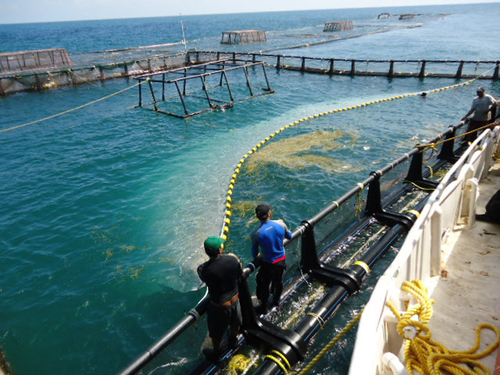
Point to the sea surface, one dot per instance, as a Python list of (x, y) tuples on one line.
[(103, 211)]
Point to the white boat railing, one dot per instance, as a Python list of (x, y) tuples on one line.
[(451, 207)]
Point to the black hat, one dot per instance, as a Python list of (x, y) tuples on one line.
[(262, 211)]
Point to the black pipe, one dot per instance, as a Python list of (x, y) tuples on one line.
[(333, 298), (312, 322), (205, 366), (168, 338), (327, 307)]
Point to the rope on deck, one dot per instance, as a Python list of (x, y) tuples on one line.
[(430, 357)]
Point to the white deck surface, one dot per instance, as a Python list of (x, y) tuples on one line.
[(468, 293)]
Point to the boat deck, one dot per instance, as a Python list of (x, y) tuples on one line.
[(472, 271)]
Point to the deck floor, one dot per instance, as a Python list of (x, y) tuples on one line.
[(470, 272)]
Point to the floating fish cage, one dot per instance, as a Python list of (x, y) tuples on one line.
[(364, 67), (338, 26), (29, 60), (329, 252), (243, 37), (45, 79), (205, 87), (408, 16)]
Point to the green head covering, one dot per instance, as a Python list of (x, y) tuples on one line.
[(212, 245)]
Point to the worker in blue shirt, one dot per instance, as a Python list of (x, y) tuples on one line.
[(269, 237)]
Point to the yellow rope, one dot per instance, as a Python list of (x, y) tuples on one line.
[(427, 356), (278, 362), (432, 171), (328, 346), (70, 110), (238, 364), (318, 318), (363, 265), (428, 146), (419, 187), (359, 199), (283, 358)]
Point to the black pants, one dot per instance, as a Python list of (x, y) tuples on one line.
[(473, 125), (270, 280), (219, 319)]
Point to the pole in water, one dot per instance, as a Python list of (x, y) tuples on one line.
[(183, 35)]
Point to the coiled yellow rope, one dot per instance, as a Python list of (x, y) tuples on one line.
[(238, 364), (427, 356)]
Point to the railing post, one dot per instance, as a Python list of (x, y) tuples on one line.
[(459, 70), (140, 94), (153, 95), (375, 209), (447, 148), (248, 315), (353, 67), (332, 66), (422, 70), (496, 73), (391, 69), (309, 256), (303, 65), (415, 172)]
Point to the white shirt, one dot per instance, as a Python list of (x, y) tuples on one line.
[(481, 107)]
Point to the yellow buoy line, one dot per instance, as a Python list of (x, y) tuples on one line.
[(229, 201)]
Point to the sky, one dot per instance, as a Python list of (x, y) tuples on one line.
[(27, 11)]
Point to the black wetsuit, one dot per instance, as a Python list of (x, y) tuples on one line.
[(221, 276)]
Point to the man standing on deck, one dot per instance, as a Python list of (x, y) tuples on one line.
[(482, 105), (269, 236), (221, 273)]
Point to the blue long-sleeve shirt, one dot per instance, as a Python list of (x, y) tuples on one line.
[(269, 236)]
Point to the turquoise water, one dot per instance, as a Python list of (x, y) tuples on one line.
[(104, 210)]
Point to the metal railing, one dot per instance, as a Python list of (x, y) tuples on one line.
[(367, 67), (314, 239)]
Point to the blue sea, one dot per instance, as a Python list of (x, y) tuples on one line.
[(103, 211)]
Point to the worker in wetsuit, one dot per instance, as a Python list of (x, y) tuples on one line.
[(221, 273), (269, 237)]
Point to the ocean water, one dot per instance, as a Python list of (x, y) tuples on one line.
[(104, 210)]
